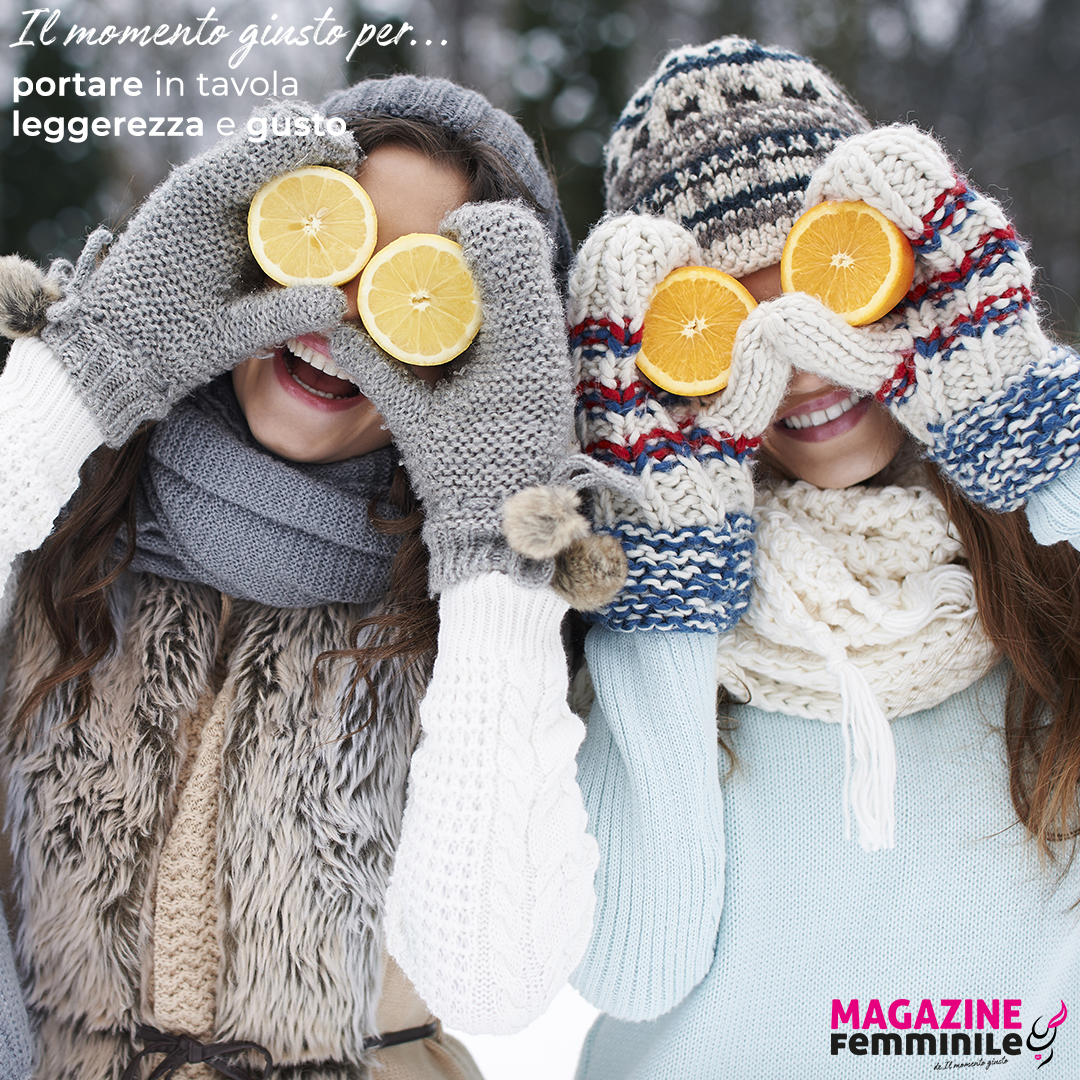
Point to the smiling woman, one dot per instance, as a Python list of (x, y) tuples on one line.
[(892, 659), (831, 436), (219, 664)]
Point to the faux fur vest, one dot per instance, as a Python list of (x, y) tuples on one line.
[(311, 798)]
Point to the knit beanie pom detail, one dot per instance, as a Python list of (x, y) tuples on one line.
[(723, 139)]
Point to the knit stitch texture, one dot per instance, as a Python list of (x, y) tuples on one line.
[(962, 362), (491, 900), (501, 423), (167, 308), (723, 139), (688, 534)]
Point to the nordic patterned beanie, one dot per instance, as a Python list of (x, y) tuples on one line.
[(462, 113), (723, 139)]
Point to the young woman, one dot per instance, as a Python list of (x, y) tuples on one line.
[(221, 658), (884, 867)]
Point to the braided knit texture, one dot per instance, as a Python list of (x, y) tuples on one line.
[(876, 572), (688, 535), (491, 902), (500, 423), (178, 299), (723, 139), (962, 362)]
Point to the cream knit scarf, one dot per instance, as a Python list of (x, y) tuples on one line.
[(860, 613)]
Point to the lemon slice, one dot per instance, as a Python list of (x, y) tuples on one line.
[(417, 299), (851, 257), (313, 226), (689, 330)]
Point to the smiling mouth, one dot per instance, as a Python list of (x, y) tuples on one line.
[(821, 416), (316, 373)]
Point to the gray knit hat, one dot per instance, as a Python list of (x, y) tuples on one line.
[(723, 139), (465, 113)]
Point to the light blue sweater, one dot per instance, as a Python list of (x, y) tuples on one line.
[(732, 916)]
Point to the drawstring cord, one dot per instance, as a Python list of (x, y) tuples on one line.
[(182, 1050)]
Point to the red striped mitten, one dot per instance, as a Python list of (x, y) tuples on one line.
[(962, 362), (688, 534)]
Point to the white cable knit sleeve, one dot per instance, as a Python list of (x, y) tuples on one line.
[(491, 901), (47, 433)]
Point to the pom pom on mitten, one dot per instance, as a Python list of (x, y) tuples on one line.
[(25, 296), (544, 523)]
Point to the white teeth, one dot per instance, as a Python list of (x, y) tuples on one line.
[(315, 359), (821, 416)]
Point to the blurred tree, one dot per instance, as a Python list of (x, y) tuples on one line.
[(996, 79), (569, 83)]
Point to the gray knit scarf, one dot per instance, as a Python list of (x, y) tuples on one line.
[(216, 508)]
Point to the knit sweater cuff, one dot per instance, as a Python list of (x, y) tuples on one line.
[(491, 901), (649, 774), (1053, 512), (461, 550), (48, 434)]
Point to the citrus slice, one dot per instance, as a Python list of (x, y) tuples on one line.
[(418, 301), (689, 330), (851, 257), (313, 226)]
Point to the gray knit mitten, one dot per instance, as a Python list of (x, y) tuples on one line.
[(503, 421), (962, 361), (163, 311)]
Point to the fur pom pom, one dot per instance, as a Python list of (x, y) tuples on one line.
[(539, 522), (25, 295), (590, 572)]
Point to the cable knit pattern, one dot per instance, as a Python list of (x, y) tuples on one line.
[(163, 311), (688, 536), (48, 434), (501, 423), (962, 361), (186, 951), (491, 901)]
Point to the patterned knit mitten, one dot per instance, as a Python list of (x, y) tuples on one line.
[(163, 309), (962, 361), (688, 536), (503, 421)]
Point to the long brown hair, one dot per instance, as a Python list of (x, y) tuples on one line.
[(1028, 596), (71, 573)]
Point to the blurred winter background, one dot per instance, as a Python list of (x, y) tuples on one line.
[(996, 79)]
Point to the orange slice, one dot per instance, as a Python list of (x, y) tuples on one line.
[(313, 226), (689, 330), (417, 299), (851, 257)]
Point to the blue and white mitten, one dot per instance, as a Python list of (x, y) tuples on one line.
[(962, 361), (688, 534)]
